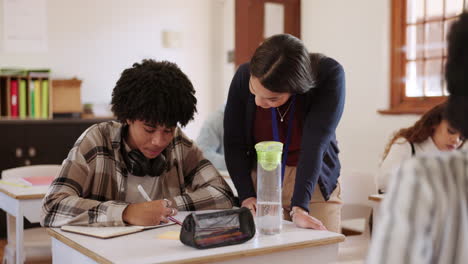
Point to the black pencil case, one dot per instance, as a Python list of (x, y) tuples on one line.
[(217, 229)]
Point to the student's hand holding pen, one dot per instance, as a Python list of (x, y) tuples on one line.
[(150, 212)]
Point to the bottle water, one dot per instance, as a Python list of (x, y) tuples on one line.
[(269, 209)]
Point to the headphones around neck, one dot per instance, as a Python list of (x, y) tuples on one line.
[(139, 165)]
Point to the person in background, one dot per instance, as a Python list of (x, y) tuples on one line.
[(424, 216), (210, 139), (432, 133), (287, 94), (98, 182)]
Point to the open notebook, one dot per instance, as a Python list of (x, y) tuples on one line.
[(114, 231), (108, 231)]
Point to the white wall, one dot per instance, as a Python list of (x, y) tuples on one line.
[(357, 34), (223, 30), (96, 40)]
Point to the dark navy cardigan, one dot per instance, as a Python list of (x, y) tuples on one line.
[(318, 160)]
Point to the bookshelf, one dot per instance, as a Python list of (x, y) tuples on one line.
[(25, 94)]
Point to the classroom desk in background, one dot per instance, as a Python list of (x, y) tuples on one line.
[(18, 202), (292, 245)]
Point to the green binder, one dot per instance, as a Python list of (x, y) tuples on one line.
[(22, 99), (45, 99)]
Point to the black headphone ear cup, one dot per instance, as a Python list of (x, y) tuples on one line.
[(159, 165), (138, 163)]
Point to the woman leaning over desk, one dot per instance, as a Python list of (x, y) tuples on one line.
[(301, 97)]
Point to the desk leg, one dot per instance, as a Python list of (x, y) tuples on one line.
[(19, 237), (11, 227)]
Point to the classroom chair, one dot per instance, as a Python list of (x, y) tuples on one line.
[(37, 243)]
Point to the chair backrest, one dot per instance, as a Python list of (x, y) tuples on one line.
[(33, 170)]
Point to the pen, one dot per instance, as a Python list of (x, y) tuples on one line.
[(145, 195)]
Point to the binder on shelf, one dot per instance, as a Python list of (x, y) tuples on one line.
[(45, 99), (37, 99), (25, 93), (31, 99), (3, 105), (14, 98), (22, 93)]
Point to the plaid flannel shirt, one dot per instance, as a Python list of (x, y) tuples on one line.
[(91, 187)]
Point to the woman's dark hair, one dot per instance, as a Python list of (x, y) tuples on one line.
[(456, 74), (422, 129), (157, 92), (283, 65)]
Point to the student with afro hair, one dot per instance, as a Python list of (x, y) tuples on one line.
[(98, 183)]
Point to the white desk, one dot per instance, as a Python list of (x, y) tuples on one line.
[(293, 245), (19, 202)]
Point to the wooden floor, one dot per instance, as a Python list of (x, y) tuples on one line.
[(3, 243)]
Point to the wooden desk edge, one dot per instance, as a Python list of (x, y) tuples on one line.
[(23, 196), (261, 251), (220, 257), (376, 198)]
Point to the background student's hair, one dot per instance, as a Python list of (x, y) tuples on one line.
[(422, 129)]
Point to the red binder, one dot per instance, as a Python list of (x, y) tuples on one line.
[(14, 98)]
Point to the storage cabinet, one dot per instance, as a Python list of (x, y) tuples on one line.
[(31, 142)]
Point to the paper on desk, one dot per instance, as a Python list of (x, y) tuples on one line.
[(14, 184), (170, 235), (37, 180)]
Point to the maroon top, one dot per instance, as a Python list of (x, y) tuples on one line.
[(263, 130)]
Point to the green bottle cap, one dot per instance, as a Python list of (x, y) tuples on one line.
[(269, 154)]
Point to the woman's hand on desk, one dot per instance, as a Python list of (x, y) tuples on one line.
[(302, 219), (251, 204), (148, 213)]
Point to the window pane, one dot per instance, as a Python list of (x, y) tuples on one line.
[(453, 7), (434, 9), (415, 11), (434, 40), (274, 19), (433, 78), (414, 82), (414, 42)]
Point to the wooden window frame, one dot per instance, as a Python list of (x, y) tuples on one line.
[(399, 102)]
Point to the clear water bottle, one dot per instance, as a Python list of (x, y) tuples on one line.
[(269, 209)]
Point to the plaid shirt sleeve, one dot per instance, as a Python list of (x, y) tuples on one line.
[(204, 187), (64, 203)]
